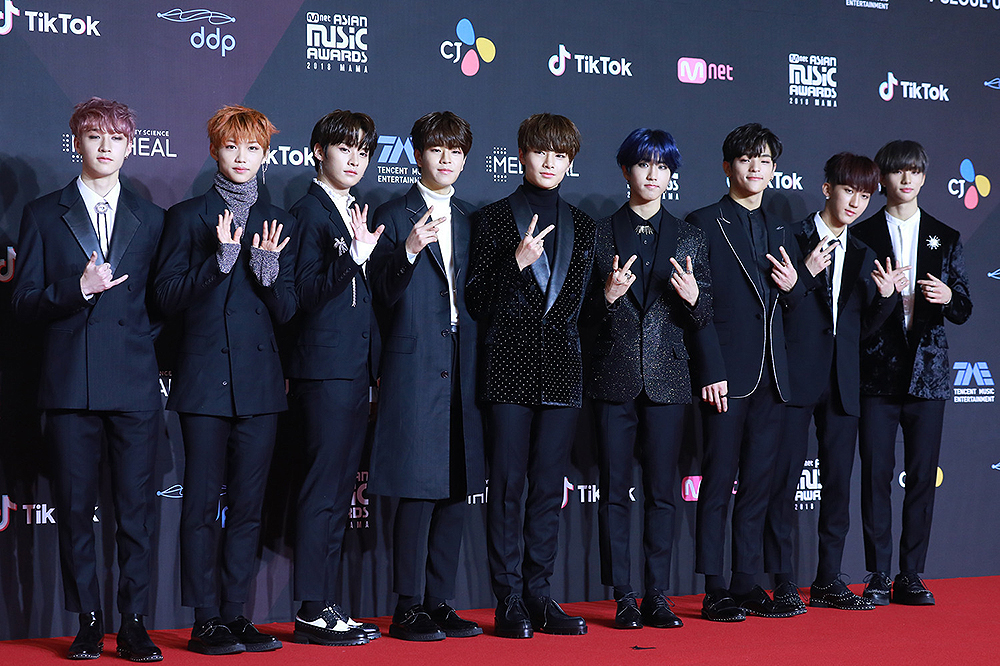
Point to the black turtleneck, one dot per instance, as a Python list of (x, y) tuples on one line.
[(545, 204)]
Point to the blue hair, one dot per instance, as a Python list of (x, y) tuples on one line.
[(649, 145)]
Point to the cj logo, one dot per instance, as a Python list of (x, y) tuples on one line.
[(971, 186), (485, 48), (972, 372), (8, 14)]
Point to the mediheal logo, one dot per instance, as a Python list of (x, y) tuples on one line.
[(337, 42), (147, 143), (812, 80), (60, 23), (588, 64), (935, 92), (973, 382), (696, 70)]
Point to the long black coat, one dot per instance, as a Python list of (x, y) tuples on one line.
[(98, 355), (410, 454), (228, 363), (812, 347), (640, 340), (892, 361), (531, 342)]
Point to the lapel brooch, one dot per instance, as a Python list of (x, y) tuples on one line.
[(341, 245), (933, 242)]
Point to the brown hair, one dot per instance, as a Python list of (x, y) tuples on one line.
[(547, 131)]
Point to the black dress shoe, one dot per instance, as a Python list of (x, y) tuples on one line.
[(720, 607), (371, 630), (89, 641), (451, 624), (414, 624), (252, 639), (134, 643), (909, 590), (547, 617), (788, 593), (656, 612), (628, 616), (213, 637), (837, 595), (878, 587), (511, 619), (756, 602), (328, 628)]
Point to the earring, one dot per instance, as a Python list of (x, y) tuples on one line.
[(263, 174)]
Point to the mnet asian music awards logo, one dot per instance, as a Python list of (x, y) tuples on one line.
[(809, 490), (971, 186), (502, 164), (697, 71), (337, 42), (396, 161), (973, 382), (475, 48), (202, 38), (812, 80)]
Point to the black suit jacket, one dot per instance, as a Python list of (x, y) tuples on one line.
[(732, 347), (335, 335), (812, 347), (228, 363), (97, 355), (410, 454), (892, 361), (640, 341), (531, 342)]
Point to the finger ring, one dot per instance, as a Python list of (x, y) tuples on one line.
[(627, 274), (688, 272), (527, 234)]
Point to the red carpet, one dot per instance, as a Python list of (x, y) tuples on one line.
[(961, 629)]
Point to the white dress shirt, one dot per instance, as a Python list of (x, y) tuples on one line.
[(838, 256), (360, 250), (905, 236), (91, 199)]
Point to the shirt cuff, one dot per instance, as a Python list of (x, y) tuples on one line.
[(411, 257), (226, 256), (360, 251), (264, 264)]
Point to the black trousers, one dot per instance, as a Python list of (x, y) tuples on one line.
[(219, 546), (334, 413), (742, 441), (836, 432), (528, 443), (652, 433), (434, 525), (76, 439), (922, 422)]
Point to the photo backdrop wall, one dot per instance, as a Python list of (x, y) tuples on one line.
[(826, 76)]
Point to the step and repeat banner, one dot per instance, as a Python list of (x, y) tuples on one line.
[(826, 76)]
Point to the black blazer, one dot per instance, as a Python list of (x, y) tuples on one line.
[(228, 362), (410, 454), (639, 347), (531, 342), (732, 346), (812, 347), (892, 362), (335, 335), (97, 355)]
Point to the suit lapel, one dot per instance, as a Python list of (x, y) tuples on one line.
[(522, 219), (626, 245), (126, 224), (776, 238), (461, 234), (564, 252), (853, 259), (342, 235), (736, 237), (416, 207), (77, 218), (666, 247), (929, 258)]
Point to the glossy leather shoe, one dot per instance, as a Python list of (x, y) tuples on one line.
[(328, 628), (213, 637), (627, 616), (656, 612), (414, 624), (511, 619), (371, 630), (547, 617), (837, 595), (720, 607), (878, 587), (788, 594), (756, 602), (89, 641), (252, 639), (451, 624), (909, 590), (134, 643)]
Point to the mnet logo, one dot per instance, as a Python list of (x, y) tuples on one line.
[(812, 79), (695, 70), (912, 90), (476, 48), (337, 38), (971, 186), (589, 64), (213, 41), (973, 373)]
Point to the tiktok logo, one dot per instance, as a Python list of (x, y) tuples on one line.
[(5, 504), (7, 265), (557, 63), (9, 12), (888, 87)]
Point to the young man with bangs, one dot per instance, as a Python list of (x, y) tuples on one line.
[(906, 375), (639, 378), (77, 248), (526, 289), (848, 294), (228, 293), (331, 366), (743, 373), (428, 448)]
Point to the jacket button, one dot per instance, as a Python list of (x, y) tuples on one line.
[(444, 292), (225, 350), (225, 383), (444, 334), (365, 300), (758, 316), (444, 374), (364, 334), (259, 310), (121, 322), (260, 347), (230, 311)]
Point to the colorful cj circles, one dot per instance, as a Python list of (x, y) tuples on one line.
[(968, 172), (487, 50)]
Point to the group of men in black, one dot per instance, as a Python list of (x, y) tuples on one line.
[(469, 323)]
